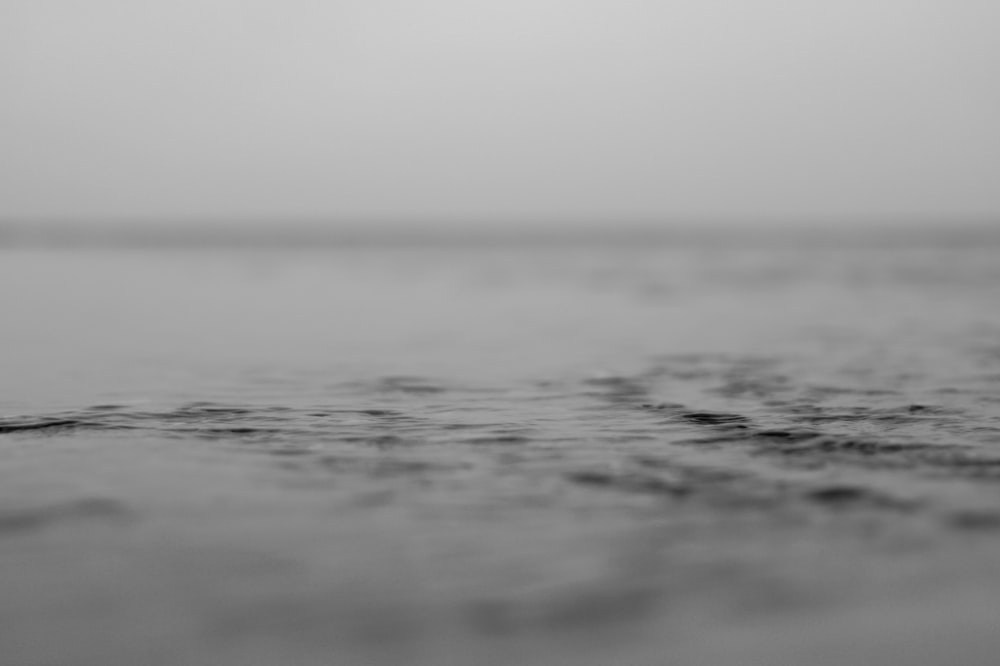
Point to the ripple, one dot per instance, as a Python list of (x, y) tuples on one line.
[(32, 519), (854, 496), (715, 418), (630, 482), (9, 426)]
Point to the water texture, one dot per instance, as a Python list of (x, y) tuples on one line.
[(483, 455)]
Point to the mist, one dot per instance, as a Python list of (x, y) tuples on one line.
[(481, 113)]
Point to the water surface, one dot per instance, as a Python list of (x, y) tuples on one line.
[(700, 454)]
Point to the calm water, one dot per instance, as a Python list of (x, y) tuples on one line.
[(525, 455)]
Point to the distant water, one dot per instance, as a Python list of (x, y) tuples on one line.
[(699, 454)]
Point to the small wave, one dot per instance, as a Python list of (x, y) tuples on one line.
[(841, 496), (11, 426), (198, 417), (738, 490), (632, 482), (31, 519), (715, 418)]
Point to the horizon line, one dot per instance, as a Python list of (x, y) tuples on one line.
[(303, 232)]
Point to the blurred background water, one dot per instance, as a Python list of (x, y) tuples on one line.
[(482, 453)]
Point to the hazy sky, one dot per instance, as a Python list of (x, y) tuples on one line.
[(497, 109)]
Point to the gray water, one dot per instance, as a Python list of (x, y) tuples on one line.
[(692, 455)]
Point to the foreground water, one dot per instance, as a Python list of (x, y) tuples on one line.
[(700, 455)]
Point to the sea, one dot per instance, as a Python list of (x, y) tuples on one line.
[(606, 452)]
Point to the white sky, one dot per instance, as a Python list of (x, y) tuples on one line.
[(499, 109)]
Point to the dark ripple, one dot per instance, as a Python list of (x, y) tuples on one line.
[(633, 482), (207, 420), (11, 426), (805, 443), (385, 467), (715, 418), (982, 520), (497, 439), (842, 496), (215, 432), (733, 491), (32, 519)]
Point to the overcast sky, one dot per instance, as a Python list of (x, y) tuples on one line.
[(499, 109)]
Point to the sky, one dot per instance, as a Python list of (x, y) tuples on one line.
[(492, 111)]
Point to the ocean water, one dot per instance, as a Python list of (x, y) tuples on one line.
[(699, 454)]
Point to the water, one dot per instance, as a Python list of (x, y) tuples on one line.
[(700, 454)]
